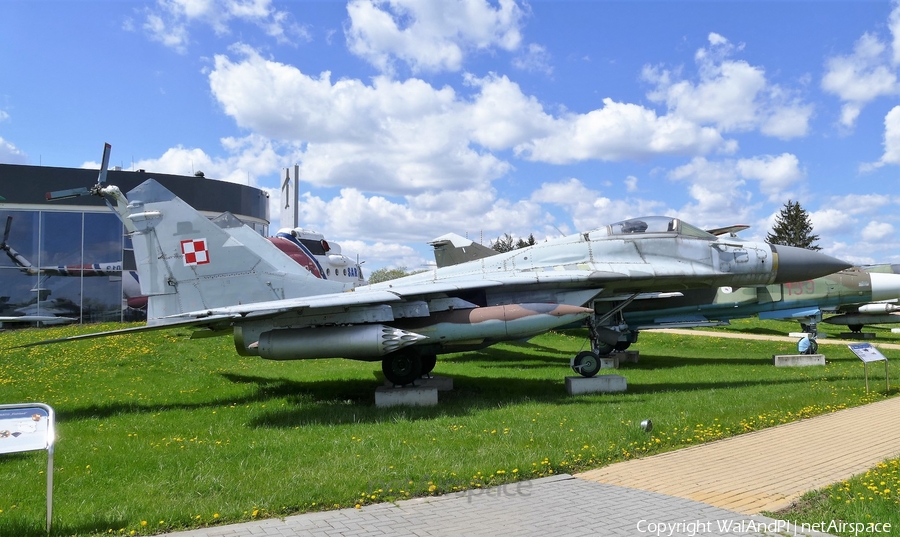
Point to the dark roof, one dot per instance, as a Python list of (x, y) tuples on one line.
[(30, 184)]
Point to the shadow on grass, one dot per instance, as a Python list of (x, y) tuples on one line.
[(649, 387), (761, 331), (530, 357), (352, 400), (336, 403), (314, 402), (670, 362), (21, 528)]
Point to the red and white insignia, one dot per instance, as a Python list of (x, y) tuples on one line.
[(195, 252)]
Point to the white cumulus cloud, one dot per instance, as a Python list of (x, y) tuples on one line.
[(775, 174), (168, 21), (392, 137), (869, 72), (620, 131), (10, 154), (876, 231), (406, 137), (730, 94), (721, 191), (430, 36), (891, 141)]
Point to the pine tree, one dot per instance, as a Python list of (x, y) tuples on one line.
[(793, 228), (523, 243), (504, 244)]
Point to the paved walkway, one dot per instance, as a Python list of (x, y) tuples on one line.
[(766, 470), (715, 489), (741, 335), (561, 506)]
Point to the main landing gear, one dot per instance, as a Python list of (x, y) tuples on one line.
[(402, 368), (604, 341)]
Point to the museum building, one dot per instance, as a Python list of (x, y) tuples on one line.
[(71, 259)]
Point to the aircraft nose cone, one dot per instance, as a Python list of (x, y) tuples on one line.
[(799, 264)]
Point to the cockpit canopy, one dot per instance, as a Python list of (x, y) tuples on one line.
[(657, 224)]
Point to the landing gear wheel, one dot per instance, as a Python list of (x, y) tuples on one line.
[(428, 363), (586, 363), (855, 327), (402, 369), (603, 349), (622, 345), (813, 347)]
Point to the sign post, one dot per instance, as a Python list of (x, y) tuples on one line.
[(30, 427), (867, 353)]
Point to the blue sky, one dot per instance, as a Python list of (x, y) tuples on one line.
[(413, 119)]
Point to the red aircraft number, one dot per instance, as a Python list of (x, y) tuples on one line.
[(800, 288)]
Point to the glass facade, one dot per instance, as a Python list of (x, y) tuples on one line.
[(63, 264)]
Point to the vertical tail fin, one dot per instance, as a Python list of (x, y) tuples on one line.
[(188, 263)]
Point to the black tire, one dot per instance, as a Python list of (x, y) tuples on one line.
[(813, 348), (622, 345), (855, 327), (401, 369), (603, 349), (586, 364), (428, 363)]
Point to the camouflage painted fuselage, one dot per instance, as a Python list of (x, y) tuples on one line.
[(843, 291)]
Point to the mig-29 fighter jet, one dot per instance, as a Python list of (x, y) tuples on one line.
[(197, 273)]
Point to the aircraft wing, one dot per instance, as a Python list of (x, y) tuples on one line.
[(121, 331), (360, 297), (278, 307), (386, 294)]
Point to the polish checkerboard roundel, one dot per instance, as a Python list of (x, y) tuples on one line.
[(195, 252)]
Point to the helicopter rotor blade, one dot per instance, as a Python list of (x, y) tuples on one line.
[(6, 231)]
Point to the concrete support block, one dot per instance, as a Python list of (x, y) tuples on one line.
[(630, 356), (609, 363), (407, 395), (441, 384), (798, 360), (598, 384), (857, 335)]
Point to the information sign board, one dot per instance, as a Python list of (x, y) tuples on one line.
[(30, 427), (25, 428), (867, 353)]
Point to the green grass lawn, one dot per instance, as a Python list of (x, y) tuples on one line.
[(158, 433), (863, 500)]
